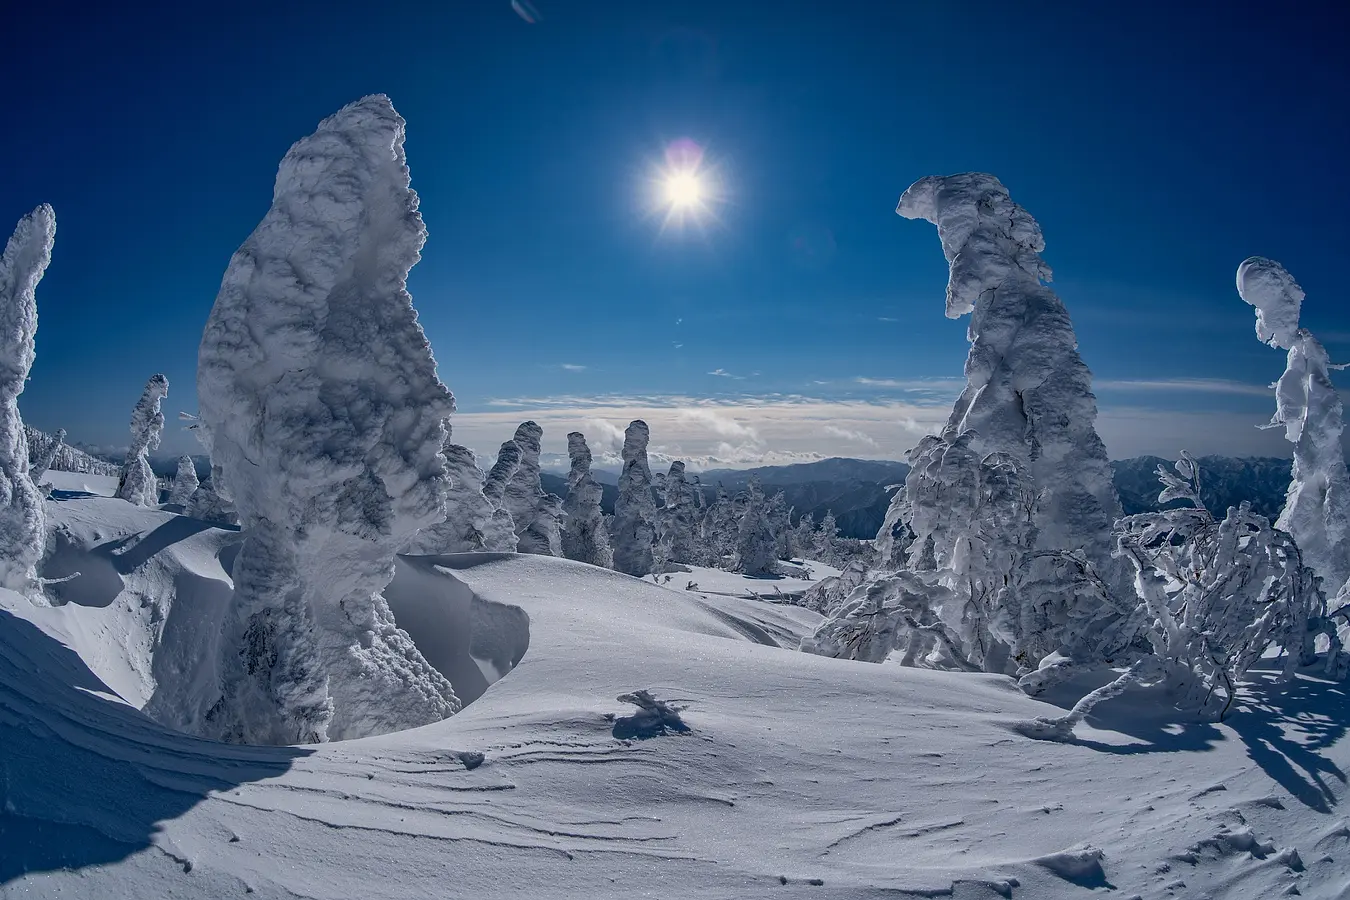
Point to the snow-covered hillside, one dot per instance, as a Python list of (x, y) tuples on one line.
[(757, 771)]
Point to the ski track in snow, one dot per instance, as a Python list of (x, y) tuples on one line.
[(799, 776)]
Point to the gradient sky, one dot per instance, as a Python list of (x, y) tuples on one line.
[(1158, 146)]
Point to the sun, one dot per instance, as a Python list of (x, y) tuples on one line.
[(684, 190)]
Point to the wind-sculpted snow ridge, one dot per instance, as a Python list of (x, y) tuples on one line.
[(534, 514), (1317, 507), (583, 536), (1027, 398), (469, 524), (22, 527), (633, 532), (324, 417), (139, 484)]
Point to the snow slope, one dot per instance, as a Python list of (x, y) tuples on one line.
[(797, 776)]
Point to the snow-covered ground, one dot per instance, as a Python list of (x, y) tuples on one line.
[(81, 483), (797, 776)]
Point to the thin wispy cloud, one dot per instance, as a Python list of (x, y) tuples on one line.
[(572, 367), (887, 319), (1182, 385), (723, 373), (848, 434)]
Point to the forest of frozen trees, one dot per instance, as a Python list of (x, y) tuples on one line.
[(1005, 551)]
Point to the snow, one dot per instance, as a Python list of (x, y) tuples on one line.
[(583, 537), (139, 484), (1317, 508), (632, 534), (25, 259), (799, 775), (324, 416)]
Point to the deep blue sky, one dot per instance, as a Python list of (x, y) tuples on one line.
[(1158, 146)]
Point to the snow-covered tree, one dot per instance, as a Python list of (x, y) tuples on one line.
[(139, 484), (185, 482), (633, 532), (827, 534), (756, 544), (719, 530), (1317, 508), (677, 520), (802, 540), (325, 419), (22, 523), (1214, 597), (779, 515), (535, 516), (1028, 397), (44, 462), (502, 528), (584, 538), (469, 516)]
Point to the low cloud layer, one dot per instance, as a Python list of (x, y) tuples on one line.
[(777, 430)]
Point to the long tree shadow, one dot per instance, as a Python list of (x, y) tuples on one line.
[(85, 779), (1271, 714), (1282, 724)]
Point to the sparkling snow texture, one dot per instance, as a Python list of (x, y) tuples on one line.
[(139, 484), (1317, 507), (324, 417), (22, 525)]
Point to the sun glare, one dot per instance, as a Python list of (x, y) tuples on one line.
[(684, 190)]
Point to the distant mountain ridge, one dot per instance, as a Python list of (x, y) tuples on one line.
[(1224, 481)]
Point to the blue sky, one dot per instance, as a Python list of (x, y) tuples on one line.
[(1157, 146)]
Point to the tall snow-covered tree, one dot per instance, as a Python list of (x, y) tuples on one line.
[(22, 523), (1317, 508), (44, 462), (827, 534), (720, 530), (583, 537), (780, 520), (468, 525), (1028, 395), (502, 529), (756, 545), (139, 484), (677, 519), (185, 482), (325, 418), (633, 533), (801, 541), (535, 516)]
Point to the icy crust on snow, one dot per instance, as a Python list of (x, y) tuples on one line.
[(324, 417), (1308, 406), (139, 484), (633, 531), (22, 529), (1028, 393), (583, 536)]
